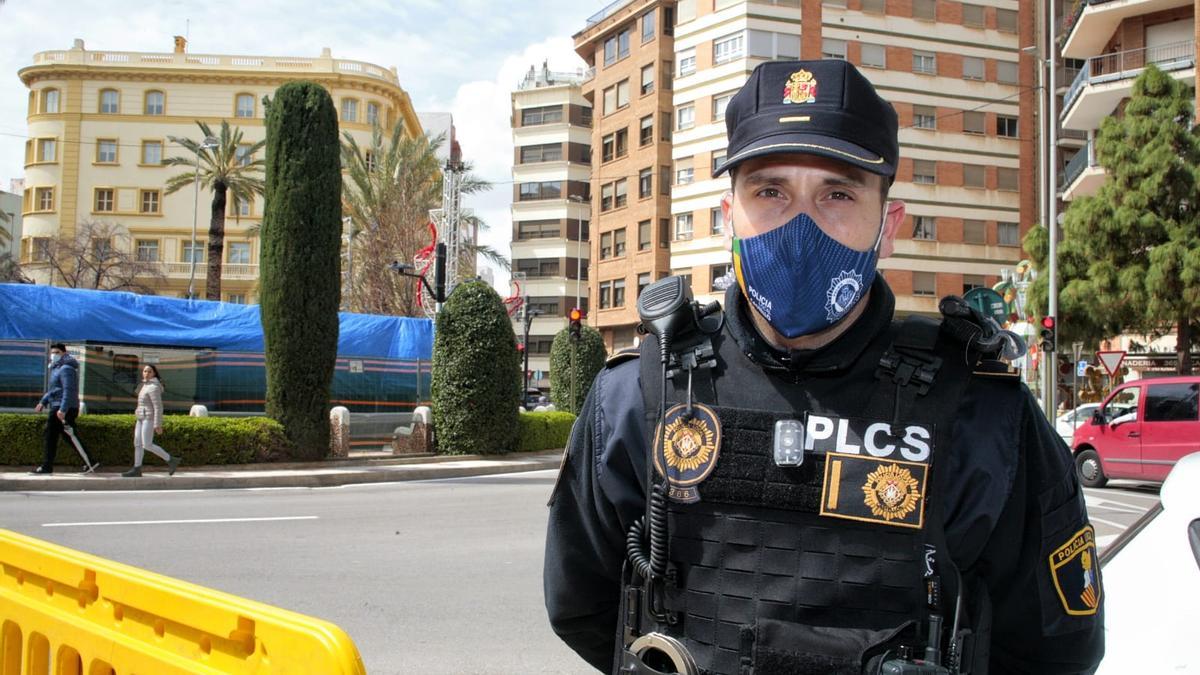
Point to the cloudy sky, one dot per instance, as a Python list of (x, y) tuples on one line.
[(462, 56)]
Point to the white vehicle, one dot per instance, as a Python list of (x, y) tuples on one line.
[(1066, 423), (1151, 578)]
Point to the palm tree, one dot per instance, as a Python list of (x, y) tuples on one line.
[(389, 188), (231, 168)]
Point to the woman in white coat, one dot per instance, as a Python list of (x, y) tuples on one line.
[(149, 415)]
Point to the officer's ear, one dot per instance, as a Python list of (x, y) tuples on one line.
[(893, 218), (727, 219)]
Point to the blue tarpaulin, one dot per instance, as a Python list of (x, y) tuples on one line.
[(31, 312)]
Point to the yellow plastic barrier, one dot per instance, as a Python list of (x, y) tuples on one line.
[(70, 613)]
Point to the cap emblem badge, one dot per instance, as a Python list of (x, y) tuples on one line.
[(801, 87)]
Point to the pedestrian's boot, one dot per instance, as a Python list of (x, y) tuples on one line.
[(172, 464), (135, 472)]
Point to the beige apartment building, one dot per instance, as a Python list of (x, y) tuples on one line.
[(551, 212), (957, 77), (630, 49), (100, 123)]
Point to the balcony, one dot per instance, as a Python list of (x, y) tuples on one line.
[(1088, 27), (1082, 176), (1107, 79), (229, 271)]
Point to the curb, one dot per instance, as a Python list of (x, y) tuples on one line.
[(330, 473)]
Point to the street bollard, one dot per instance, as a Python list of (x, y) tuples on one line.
[(339, 432), (198, 411)]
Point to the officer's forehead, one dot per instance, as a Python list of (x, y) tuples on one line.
[(777, 167)]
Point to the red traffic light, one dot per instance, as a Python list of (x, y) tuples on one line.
[(576, 314), (1048, 322)]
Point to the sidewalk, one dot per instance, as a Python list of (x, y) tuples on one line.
[(372, 467)]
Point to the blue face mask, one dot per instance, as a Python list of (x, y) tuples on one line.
[(800, 279), (55, 358)]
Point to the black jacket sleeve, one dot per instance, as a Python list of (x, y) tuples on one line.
[(1040, 623), (597, 497)]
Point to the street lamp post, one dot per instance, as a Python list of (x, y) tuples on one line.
[(1051, 373), (529, 316), (348, 222), (578, 248), (208, 143)]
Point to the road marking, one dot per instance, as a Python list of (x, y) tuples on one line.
[(179, 522), (1111, 523)]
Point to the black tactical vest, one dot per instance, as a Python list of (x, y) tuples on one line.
[(758, 579)]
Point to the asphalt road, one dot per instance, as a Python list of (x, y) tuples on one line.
[(427, 577)]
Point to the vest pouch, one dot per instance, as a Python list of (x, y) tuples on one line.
[(785, 648)]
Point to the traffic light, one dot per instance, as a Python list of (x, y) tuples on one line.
[(1048, 338), (576, 324)]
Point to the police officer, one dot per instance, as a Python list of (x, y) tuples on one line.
[(800, 483)]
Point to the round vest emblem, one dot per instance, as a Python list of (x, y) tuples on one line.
[(690, 445)]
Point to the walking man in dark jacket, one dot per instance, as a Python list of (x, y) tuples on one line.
[(62, 400)]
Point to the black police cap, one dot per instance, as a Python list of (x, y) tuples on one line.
[(824, 108)]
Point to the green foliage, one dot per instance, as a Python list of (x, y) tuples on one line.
[(544, 430), (109, 440), (476, 374), (300, 272), (1129, 260), (589, 359)]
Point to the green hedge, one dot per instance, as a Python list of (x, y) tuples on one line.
[(590, 355), (544, 430), (109, 440)]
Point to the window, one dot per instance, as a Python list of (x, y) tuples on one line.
[(834, 3), (1006, 20), (622, 142), (550, 114), (1006, 72), (51, 100), (728, 48), (974, 232), (687, 62), (244, 106), (665, 127), (241, 207), (648, 26), (605, 294), (974, 176), (924, 117), (646, 134), (606, 197), (152, 152), (546, 152), (1006, 126), (668, 73), (236, 298), (716, 216), (720, 276), (623, 43), (43, 197), (924, 283), (619, 190), (110, 102), (683, 171), (874, 56), (645, 183), (664, 180), (372, 113), (643, 282), (973, 122), (924, 63), (718, 158), (618, 292), (972, 68), (102, 248), (720, 102), (238, 253), (924, 171), (873, 6), (616, 47), (685, 117), (924, 227), (47, 149), (538, 229), (664, 232), (585, 116), (149, 201), (1123, 405), (647, 79), (106, 151), (156, 103), (971, 281), (610, 100), (622, 94), (1006, 179), (972, 15), (668, 20), (643, 238), (192, 251), (349, 110), (550, 189), (104, 200), (683, 226), (1008, 234), (1172, 402), (619, 242), (146, 250), (926, 10), (243, 158), (833, 49), (41, 249), (608, 148)]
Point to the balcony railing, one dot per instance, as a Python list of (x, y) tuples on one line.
[(1129, 64), (1075, 167), (228, 270), (608, 11), (1071, 18)]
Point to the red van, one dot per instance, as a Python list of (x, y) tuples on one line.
[(1140, 431)]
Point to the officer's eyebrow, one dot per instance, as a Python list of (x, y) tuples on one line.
[(765, 176)]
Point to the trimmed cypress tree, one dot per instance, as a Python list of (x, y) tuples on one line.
[(476, 374), (299, 275), (589, 359)]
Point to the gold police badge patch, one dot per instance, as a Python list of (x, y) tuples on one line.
[(801, 87), (688, 451), (889, 492), (1075, 569)]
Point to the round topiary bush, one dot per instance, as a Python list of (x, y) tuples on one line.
[(589, 359), (476, 374)]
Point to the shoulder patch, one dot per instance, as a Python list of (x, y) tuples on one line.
[(1074, 567), (621, 357)]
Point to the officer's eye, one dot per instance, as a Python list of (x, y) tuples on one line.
[(770, 193), (841, 195)]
